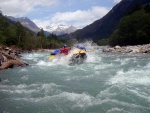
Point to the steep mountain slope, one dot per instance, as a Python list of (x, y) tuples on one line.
[(26, 22), (133, 29), (105, 26)]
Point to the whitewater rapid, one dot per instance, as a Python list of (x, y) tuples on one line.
[(105, 83)]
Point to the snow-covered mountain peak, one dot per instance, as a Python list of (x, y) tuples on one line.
[(60, 29)]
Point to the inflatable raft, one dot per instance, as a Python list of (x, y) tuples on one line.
[(78, 57)]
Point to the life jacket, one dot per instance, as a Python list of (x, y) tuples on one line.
[(78, 51), (65, 50)]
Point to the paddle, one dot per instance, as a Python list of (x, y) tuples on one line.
[(56, 51), (51, 57)]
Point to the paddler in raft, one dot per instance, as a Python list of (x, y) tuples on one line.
[(82, 51), (64, 50), (78, 55)]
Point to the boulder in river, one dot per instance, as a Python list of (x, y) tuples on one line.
[(10, 58)]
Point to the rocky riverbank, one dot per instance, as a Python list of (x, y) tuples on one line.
[(10, 57), (129, 49)]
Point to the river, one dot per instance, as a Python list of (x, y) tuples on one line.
[(105, 83)]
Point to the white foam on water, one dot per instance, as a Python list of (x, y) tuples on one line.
[(83, 100), (35, 56), (106, 94), (43, 63), (133, 76), (103, 66), (26, 91), (132, 106), (140, 94), (31, 56), (50, 89), (13, 88), (123, 61), (78, 78), (25, 78), (115, 102), (117, 110), (16, 93), (58, 60), (23, 70), (147, 66), (4, 82), (93, 58), (77, 100)]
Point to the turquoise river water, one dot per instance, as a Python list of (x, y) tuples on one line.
[(105, 83)]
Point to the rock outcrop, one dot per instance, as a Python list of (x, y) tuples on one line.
[(10, 57)]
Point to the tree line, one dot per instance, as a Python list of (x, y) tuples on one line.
[(14, 34)]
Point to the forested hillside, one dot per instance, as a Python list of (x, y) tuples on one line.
[(14, 34), (133, 28), (104, 27)]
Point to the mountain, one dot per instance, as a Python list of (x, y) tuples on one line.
[(14, 34), (105, 26), (133, 29), (60, 29), (26, 22)]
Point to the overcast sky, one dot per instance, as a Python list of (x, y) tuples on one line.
[(78, 13)]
